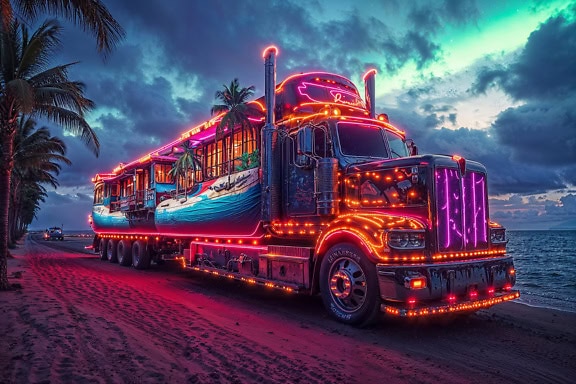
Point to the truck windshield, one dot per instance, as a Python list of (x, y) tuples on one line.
[(398, 147), (362, 140)]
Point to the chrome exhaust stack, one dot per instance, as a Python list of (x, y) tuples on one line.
[(269, 156), (370, 91)]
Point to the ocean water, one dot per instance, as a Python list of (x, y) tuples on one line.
[(545, 267)]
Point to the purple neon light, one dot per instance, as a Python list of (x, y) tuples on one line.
[(461, 210), (339, 95)]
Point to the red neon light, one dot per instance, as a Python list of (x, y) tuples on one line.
[(269, 48), (368, 73)]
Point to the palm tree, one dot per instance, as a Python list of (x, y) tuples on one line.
[(188, 161), (90, 15), (28, 85), (236, 111), (37, 158)]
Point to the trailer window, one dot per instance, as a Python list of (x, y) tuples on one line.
[(127, 187), (161, 173), (99, 194), (214, 159)]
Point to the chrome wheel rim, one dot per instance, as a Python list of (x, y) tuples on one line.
[(347, 284)]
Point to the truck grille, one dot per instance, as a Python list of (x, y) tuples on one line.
[(461, 210)]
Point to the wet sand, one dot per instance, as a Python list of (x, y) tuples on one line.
[(81, 320)]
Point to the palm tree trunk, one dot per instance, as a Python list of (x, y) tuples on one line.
[(14, 214), (7, 140)]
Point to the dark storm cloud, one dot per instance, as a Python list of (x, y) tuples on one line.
[(540, 132), (543, 129), (544, 68), (506, 175)]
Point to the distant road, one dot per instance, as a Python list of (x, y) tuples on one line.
[(71, 243)]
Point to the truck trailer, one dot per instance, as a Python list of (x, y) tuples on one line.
[(317, 195)]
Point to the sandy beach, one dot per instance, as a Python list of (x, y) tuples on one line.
[(77, 319)]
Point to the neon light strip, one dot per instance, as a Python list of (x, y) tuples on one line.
[(336, 93), (317, 74), (251, 236), (368, 73), (450, 308)]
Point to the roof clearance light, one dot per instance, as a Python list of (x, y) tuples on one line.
[(336, 112), (383, 117)]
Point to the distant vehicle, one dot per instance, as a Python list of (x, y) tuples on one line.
[(54, 233)]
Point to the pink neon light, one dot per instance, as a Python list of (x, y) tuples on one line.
[(317, 74), (337, 94), (447, 200), (462, 211), (229, 245), (251, 236)]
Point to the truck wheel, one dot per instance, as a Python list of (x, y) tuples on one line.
[(103, 249), (349, 285), (124, 252), (140, 255), (111, 251)]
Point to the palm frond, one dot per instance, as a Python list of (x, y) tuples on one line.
[(91, 15)]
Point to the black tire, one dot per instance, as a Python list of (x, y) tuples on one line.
[(103, 249), (111, 251), (140, 255), (349, 285), (124, 252)]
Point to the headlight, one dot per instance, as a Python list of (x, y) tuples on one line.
[(406, 240), (497, 236)]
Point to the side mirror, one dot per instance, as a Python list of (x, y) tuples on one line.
[(412, 147), (304, 139), (304, 147)]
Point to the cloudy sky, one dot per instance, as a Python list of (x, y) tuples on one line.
[(494, 81)]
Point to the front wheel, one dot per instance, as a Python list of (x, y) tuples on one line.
[(349, 285)]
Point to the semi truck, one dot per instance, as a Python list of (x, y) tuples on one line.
[(316, 195)]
